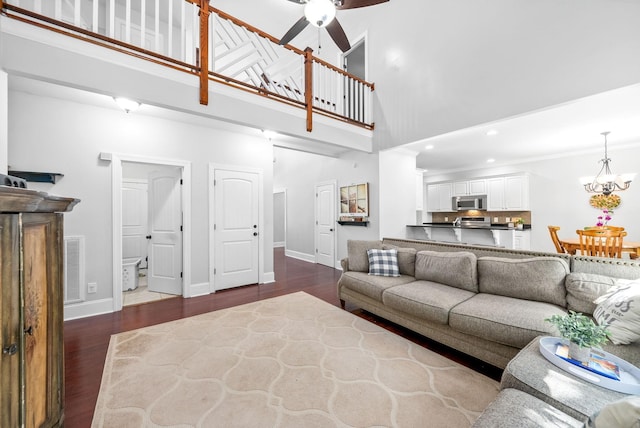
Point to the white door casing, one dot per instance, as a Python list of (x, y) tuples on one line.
[(165, 224), (116, 160), (134, 220), (237, 228), (325, 223)]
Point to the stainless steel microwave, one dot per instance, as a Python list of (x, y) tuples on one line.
[(464, 203)]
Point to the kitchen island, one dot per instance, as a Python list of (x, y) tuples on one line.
[(495, 235)]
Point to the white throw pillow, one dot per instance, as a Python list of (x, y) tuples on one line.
[(624, 413), (619, 308)]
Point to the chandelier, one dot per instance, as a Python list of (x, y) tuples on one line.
[(606, 182)]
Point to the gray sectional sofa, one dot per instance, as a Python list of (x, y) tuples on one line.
[(485, 302)]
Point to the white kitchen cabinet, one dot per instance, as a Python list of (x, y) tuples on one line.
[(477, 187), (439, 197), (522, 240), (508, 193), (460, 188), (469, 187)]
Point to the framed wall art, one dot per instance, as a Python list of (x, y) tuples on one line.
[(354, 202)]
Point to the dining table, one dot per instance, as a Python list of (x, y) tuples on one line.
[(572, 246)]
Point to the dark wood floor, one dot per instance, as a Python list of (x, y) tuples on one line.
[(86, 340)]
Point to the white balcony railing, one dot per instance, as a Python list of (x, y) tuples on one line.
[(170, 32)]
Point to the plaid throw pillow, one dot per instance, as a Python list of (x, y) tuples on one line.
[(383, 262)]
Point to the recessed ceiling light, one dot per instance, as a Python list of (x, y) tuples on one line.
[(492, 132), (126, 104), (269, 134), (429, 147), (491, 160)]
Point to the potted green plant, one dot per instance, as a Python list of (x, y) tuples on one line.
[(581, 332), (520, 223)]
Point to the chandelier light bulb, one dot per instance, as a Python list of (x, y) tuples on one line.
[(320, 12)]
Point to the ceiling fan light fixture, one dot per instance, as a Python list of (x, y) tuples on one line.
[(320, 12)]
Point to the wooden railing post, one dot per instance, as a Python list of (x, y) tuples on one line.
[(308, 86), (204, 51)]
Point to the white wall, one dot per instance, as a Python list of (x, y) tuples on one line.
[(55, 135), (4, 120), (558, 198), (299, 173), (397, 192)]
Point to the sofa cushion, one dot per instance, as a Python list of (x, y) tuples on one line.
[(426, 300), (357, 254), (456, 269), (507, 320), (406, 259), (371, 286), (514, 408), (383, 262), (540, 278), (620, 310), (584, 288)]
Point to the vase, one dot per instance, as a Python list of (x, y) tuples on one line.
[(579, 354)]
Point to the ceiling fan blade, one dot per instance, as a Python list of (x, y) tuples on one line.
[(294, 31), (338, 35), (353, 4)]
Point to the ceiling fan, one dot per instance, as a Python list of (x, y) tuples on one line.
[(322, 13)]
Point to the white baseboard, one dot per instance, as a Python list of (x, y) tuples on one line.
[(278, 244), (201, 289), (300, 256), (269, 277), (88, 309)]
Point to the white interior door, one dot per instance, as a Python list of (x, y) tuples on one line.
[(325, 224), (236, 231), (165, 224), (134, 220)]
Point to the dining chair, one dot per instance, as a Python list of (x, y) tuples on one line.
[(601, 242), (553, 231)]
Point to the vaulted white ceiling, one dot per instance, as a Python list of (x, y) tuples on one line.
[(546, 74)]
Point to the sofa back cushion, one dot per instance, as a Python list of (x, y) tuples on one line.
[(540, 278), (357, 254), (584, 288), (406, 259), (456, 269)]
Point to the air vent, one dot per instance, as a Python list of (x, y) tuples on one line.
[(74, 269)]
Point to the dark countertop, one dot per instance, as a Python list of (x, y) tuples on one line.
[(495, 226)]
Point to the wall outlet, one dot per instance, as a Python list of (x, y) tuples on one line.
[(446, 219), (495, 219), (507, 219), (92, 287)]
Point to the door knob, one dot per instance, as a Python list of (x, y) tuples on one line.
[(255, 233), (331, 230), (148, 236)]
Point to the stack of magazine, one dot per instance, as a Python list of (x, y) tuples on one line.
[(597, 362)]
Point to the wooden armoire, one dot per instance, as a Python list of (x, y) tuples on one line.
[(31, 308)]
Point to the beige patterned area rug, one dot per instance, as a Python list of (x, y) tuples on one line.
[(290, 361)]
